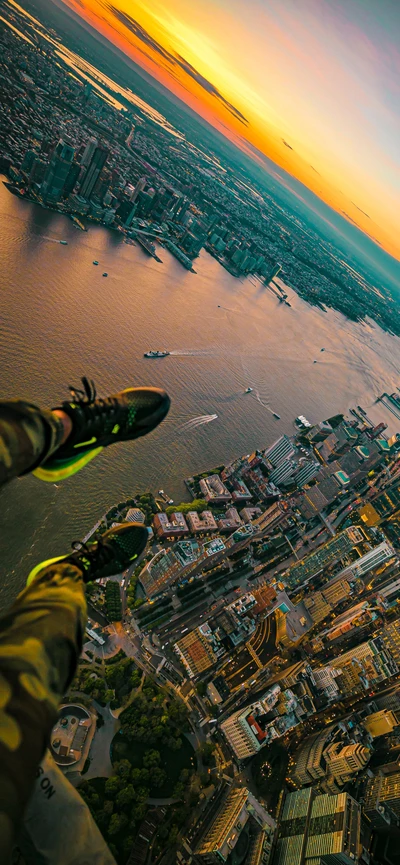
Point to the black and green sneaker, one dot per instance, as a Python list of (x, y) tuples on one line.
[(97, 423), (115, 551)]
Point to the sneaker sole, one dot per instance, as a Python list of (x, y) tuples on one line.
[(53, 471)]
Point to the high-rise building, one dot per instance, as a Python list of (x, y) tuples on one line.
[(236, 811), (381, 723), (196, 652), (71, 180), (327, 555), (382, 507), (379, 798), (377, 556), (365, 666), (88, 152), (391, 638), (273, 273), (131, 137), (321, 830), (93, 172), (140, 185), (344, 762), (28, 160), (248, 730), (279, 451), (160, 572), (57, 172), (271, 518), (383, 790), (38, 171)]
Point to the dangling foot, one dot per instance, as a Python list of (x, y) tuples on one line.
[(116, 550), (97, 423)]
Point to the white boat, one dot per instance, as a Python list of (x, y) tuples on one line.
[(151, 353), (249, 390)]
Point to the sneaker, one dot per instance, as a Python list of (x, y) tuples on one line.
[(111, 554), (97, 423)]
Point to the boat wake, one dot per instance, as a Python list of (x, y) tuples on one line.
[(196, 422), (264, 404), (190, 352)]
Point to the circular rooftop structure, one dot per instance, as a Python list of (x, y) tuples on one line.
[(69, 734)]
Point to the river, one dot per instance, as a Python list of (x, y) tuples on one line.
[(60, 319)]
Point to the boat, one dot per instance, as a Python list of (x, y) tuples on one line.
[(302, 422), (314, 361), (105, 273), (249, 390), (165, 497), (95, 262), (276, 415), (156, 353), (322, 349), (64, 242)]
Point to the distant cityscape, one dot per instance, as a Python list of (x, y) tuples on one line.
[(238, 696), (74, 141)]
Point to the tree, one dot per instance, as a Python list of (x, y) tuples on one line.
[(123, 769), (173, 836), (113, 785), (125, 796), (151, 758), (108, 806), (206, 752), (201, 688), (117, 822), (158, 777), (127, 844)]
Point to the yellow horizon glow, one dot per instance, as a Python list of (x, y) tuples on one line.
[(334, 174)]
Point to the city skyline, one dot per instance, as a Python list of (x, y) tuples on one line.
[(322, 106)]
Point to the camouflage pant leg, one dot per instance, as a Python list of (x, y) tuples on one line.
[(40, 643), (28, 435)]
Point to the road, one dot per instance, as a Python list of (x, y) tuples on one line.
[(254, 656)]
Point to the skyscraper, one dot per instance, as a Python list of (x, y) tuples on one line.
[(274, 272), (236, 812), (318, 831), (92, 174), (71, 179), (57, 172), (130, 137), (138, 188), (88, 152)]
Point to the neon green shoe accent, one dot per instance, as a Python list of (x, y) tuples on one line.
[(54, 471), (115, 429), (90, 442), (40, 567)]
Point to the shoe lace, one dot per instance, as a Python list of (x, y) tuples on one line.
[(86, 396), (87, 399), (99, 554)]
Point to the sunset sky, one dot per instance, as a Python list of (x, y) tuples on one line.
[(312, 84)]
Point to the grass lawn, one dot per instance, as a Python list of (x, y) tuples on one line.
[(171, 761)]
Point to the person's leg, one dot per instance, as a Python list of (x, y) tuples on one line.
[(56, 444), (27, 434), (40, 643)]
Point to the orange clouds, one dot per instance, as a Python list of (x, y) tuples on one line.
[(269, 80)]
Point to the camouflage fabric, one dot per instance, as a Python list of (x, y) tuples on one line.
[(40, 643), (28, 435)]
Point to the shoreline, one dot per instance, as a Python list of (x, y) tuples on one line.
[(318, 304)]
